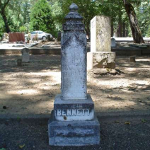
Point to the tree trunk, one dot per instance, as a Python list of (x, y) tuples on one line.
[(87, 29), (119, 31), (5, 21), (3, 6), (136, 32), (112, 29), (124, 30)]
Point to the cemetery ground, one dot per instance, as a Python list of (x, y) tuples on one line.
[(121, 97)]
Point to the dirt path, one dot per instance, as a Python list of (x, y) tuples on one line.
[(30, 90)]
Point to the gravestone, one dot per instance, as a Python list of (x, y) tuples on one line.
[(113, 42), (25, 55), (101, 55), (73, 121)]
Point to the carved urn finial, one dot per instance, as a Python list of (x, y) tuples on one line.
[(73, 20)]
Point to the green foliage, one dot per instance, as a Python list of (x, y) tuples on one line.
[(41, 17), (1, 27), (148, 32), (23, 29), (57, 13), (143, 11), (48, 15), (87, 9)]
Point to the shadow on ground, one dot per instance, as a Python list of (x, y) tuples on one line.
[(30, 89)]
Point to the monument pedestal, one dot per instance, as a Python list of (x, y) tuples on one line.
[(101, 60), (77, 109), (73, 123), (73, 133)]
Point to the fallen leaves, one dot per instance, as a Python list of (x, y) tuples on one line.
[(143, 120), (21, 146), (127, 123)]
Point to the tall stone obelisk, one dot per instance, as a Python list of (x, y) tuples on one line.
[(73, 122)]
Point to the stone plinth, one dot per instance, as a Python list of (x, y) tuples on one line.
[(25, 55), (73, 133), (101, 60), (100, 55), (73, 110), (73, 122)]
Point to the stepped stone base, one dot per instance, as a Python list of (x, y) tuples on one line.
[(73, 133), (101, 60)]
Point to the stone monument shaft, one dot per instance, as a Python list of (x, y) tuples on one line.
[(73, 61)]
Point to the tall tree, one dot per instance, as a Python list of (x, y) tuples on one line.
[(136, 32), (3, 5), (41, 17)]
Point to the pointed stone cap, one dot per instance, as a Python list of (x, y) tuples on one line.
[(73, 7), (73, 19)]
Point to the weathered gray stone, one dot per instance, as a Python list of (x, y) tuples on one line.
[(73, 64), (73, 122), (102, 71), (73, 83), (113, 42), (101, 56), (100, 34), (104, 60), (73, 133), (25, 55), (76, 109), (101, 60)]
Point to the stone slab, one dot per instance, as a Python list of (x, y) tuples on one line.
[(73, 133), (100, 34), (73, 66), (78, 109), (101, 60), (89, 60), (25, 55)]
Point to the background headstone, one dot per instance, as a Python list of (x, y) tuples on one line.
[(113, 42), (100, 34), (25, 55), (100, 55)]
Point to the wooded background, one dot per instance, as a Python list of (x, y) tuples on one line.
[(128, 17)]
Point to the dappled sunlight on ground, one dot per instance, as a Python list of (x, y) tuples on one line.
[(31, 89), (25, 91), (117, 104)]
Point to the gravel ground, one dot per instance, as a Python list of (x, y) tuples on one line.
[(117, 133)]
